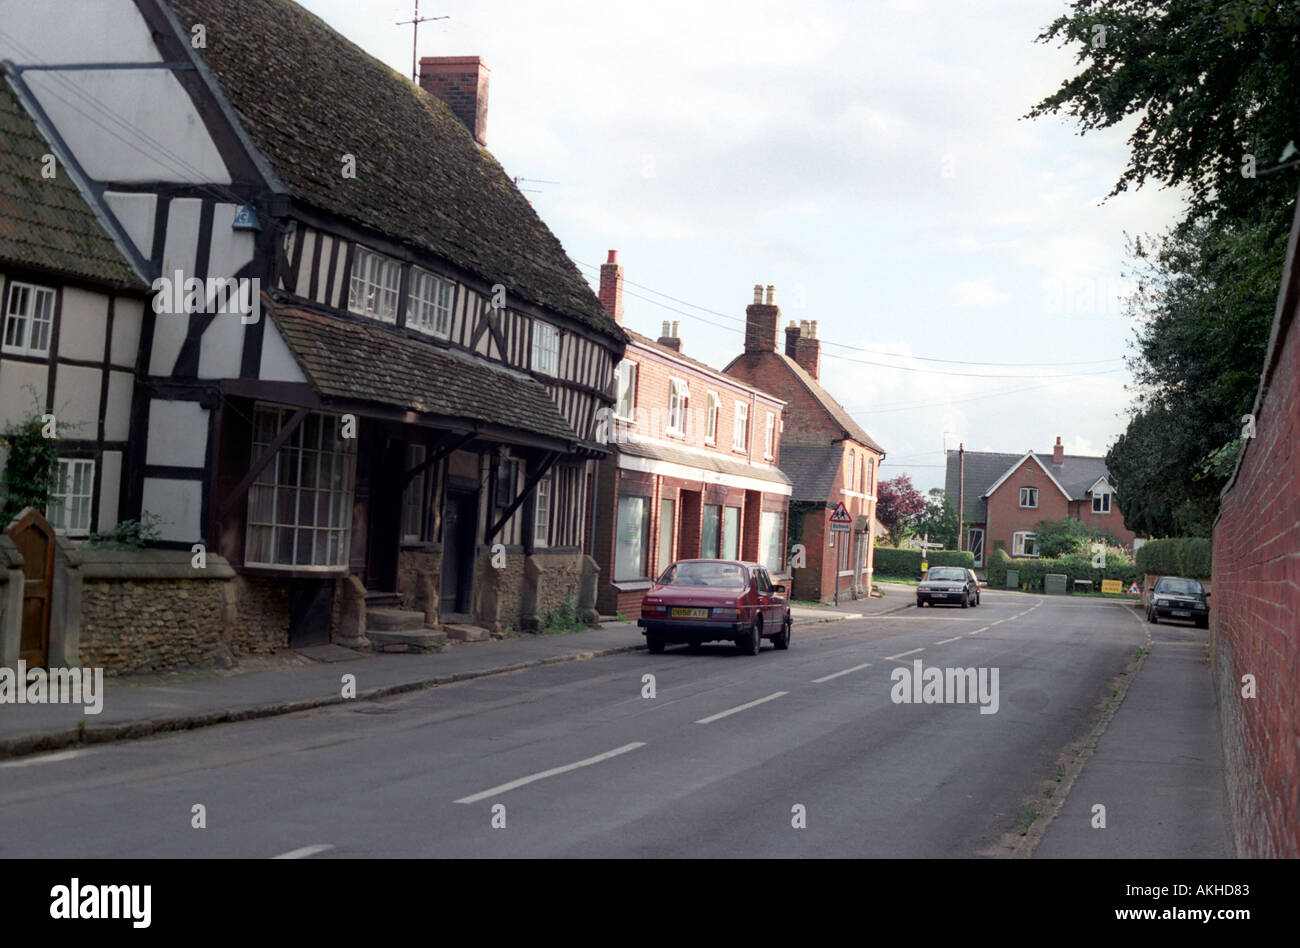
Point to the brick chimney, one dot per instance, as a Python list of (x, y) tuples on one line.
[(611, 287), (761, 319), (802, 345), (461, 82), (1058, 452), (670, 337)]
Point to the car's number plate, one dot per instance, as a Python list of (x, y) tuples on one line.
[(690, 613), (1183, 612)]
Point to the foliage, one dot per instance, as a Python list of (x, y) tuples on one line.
[(1178, 556), (898, 506), (798, 510), (1070, 535), (563, 618), (1211, 85), (906, 564), (31, 466), (1075, 566), (939, 522), (130, 534)]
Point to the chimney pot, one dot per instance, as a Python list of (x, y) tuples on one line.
[(613, 257), (1058, 451), (758, 294), (677, 329), (814, 329), (462, 83), (771, 295)]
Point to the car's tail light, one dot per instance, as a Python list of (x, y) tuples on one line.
[(651, 609)]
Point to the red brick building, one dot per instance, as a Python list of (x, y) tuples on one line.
[(828, 457), (694, 468), (1004, 496), (1255, 607)]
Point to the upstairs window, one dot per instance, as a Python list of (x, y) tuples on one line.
[(1029, 497), (430, 306), (740, 428), (546, 348), (678, 396), (29, 317), (711, 419), (375, 287), (542, 515), (769, 439), (1101, 503), (625, 403)]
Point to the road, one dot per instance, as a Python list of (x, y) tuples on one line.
[(572, 760)]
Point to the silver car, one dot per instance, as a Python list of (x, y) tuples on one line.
[(953, 585)]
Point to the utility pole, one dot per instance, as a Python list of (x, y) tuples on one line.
[(961, 495), (415, 40)]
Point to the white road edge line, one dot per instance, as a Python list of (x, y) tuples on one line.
[(304, 852), (955, 638), (532, 778), (978, 631), (744, 707), (44, 759), (818, 681), (894, 658)]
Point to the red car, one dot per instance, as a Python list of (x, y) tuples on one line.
[(697, 601)]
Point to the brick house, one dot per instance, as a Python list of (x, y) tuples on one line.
[(828, 457), (1003, 496), (385, 382), (1255, 606), (695, 466)]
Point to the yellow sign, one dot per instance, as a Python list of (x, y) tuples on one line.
[(1112, 586)]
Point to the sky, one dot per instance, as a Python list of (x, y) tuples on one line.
[(868, 159)]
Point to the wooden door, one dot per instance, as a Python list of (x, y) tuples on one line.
[(34, 537)]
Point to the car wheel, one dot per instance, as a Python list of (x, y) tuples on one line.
[(751, 643), (965, 601), (654, 643), (977, 597), (695, 645), (920, 603), (782, 640), (1151, 617)]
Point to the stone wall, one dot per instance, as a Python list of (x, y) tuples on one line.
[(260, 622), (419, 578)]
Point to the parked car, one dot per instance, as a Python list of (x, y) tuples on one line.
[(697, 601), (1175, 597), (949, 584)]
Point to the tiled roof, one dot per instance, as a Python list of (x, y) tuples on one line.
[(1076, 474), (349, 360), (812, 468), (307, 96), (705, 460), (45, 223)]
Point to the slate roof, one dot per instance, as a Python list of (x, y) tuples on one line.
[(811, 468), (705, 460), (307, 95), (45, 223), (357, 362), (1076, 474)]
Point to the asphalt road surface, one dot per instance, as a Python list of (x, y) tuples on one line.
[(572, 760)]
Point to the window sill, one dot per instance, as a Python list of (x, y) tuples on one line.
[(631, 585)]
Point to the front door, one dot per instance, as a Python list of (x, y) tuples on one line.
[(383, 534), (459, 536), (34, 537), (975, 544)]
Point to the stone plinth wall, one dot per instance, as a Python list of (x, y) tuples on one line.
[(260, 620)]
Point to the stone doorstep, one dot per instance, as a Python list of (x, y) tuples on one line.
[(467, 633), (406, 640), (393, 620)]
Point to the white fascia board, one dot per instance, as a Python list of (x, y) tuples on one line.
[(629, 462), (1028, 454)]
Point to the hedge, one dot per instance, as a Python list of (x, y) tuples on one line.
[(1076, 566), (1178, 556), (890, 561)]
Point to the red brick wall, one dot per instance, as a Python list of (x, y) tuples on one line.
[(1255, 612), (1005, 515)]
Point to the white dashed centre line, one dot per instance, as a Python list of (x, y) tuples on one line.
[(894, 658), (978, 631), (44, 759), (304, 852), (955, 638), (531, 778), (847, 671), (744, 707)]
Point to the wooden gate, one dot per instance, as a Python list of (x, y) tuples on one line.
[(34, 537)]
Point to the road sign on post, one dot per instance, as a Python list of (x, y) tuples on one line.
[(840, 519)]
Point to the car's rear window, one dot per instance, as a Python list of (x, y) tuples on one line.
[(947, 573), (704, 574), (1179, 587)]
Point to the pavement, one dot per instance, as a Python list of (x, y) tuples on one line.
[(138, 706)]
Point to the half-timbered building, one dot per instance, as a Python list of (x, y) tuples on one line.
[(366, 355)]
